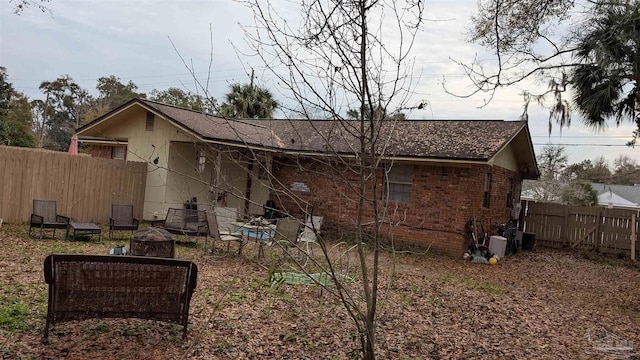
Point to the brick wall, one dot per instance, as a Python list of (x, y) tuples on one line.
[(443, 199)]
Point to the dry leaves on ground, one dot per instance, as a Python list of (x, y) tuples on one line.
[(547, 304)]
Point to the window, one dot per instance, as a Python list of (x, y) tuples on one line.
[(510, 194), (486, 196), (149, 124), (119, 152), (398, 183)]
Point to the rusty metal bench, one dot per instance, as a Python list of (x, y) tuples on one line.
[(96, 286)]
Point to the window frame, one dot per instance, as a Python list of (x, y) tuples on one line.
[(124, 152), (400, 178), (510, 192), (486, 195), (150, 121)]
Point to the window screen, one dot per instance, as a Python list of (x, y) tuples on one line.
[(119, 152), (486, 197), (399, 181), (510, 193), (150, 118)]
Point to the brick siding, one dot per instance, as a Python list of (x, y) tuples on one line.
[(443, 199)]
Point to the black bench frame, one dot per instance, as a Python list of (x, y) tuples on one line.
[(99, 286)]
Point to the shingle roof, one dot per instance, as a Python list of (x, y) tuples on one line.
[(467, 140), (452, 139), (212, 127), (628, 192), (445, 139)]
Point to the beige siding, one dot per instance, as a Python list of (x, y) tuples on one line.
[(506, 159), (176, 177), (233, 180), (147, 146), (260, 188), (184, 181)]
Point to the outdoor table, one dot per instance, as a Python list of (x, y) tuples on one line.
[(83, 229), (256, 232), (262, 234)]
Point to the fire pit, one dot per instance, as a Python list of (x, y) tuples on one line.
[(152, 242)]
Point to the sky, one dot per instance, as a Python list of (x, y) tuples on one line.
[(143, 41)]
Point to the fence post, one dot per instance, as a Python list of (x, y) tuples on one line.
[(565, 238), (634, 235), (599, 230)]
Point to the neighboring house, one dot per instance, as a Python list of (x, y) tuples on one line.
[(542, 191), (437, 174), (618, 196)]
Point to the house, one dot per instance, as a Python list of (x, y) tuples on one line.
[(436, 175), (618, 196)]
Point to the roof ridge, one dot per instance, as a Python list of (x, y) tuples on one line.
[(175, 106), (239, 120)]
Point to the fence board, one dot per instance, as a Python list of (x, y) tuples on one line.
[(616, 231), (589, 227), (84, 187), (547, 222)]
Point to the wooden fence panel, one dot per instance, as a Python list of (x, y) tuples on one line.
[(84, 187), (547, 222), (616, 231), (582, 226), (609, 231)]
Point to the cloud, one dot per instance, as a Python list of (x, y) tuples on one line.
[(130, 39)]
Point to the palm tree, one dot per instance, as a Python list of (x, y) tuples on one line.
[(248, 101), (607, 82)]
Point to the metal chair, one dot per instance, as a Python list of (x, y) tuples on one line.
[(215, 234), (310, 231), (285, 235), (225, 217), (309, 234), (122, 219), (45, 216)]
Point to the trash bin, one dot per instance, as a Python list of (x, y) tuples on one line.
[(528, 241), (497, 245)]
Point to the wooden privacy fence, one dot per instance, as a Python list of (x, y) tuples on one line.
[(84, 187), (610, 231)]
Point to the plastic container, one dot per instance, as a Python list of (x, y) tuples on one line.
[(497, 245)]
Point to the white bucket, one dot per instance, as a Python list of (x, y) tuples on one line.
[(497, 245)]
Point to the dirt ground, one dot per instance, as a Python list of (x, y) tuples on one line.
[(546, 304)]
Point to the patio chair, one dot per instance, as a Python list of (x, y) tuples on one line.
[(285, 234), (122, 219), (311, 229), (309, 234), (214, 233), (226, 216), (45, 216)]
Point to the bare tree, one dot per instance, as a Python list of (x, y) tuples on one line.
[(340, 54), (585, 47), (22, 5)]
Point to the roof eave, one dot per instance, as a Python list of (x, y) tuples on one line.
[(106, 116)]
